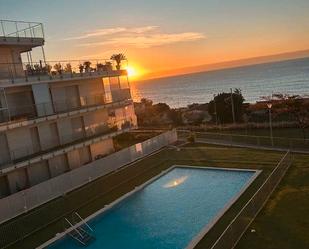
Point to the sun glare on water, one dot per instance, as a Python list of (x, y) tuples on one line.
[(175, 182)]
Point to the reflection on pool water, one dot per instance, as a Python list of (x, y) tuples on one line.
[(167, 213)]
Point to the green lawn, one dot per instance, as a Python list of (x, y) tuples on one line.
[(285, 213)]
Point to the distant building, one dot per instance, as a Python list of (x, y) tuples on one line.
[(54, 116)]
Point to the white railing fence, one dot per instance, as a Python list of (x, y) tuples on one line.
[(238, 226), (283, 143), (39, 194)]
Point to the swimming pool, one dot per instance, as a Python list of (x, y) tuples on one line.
[(172, 211)]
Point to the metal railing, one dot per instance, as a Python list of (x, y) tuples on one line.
[(48, 145), (59, 70), (33, 111), (238, 226), (26, 200), (284, 143), (21, 29)]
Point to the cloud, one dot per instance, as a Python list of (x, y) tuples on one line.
[(111, 31), (149, 40)]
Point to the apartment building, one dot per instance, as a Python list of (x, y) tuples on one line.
[(55, 116)]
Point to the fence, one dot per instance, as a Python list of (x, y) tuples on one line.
[(293, 144), (232, 234), (21, 29), (37, 195)]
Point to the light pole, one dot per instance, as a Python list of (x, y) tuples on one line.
[(215, 109), (232, 102), (269, 105)]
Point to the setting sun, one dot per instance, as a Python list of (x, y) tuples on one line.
[(131, 71)]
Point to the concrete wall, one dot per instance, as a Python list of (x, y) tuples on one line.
[(79, 157), (58, 165), (42, 99), (20, 142), (65, 95), (38, 172), (48, 133), (4, 187), (4, 149), (20, 101), (17, 180), (10, 55), (91, 91), (65, 128), (102, 148), (94, 121)]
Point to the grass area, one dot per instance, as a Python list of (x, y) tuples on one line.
[(277, 132), (284, 221), (280, 211)]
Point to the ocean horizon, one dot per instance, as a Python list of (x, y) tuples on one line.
[(255, 81)]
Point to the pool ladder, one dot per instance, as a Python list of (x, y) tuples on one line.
[(83, 234)]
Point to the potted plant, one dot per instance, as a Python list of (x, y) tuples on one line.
[(87, 66), (81, 68), (118, 58)]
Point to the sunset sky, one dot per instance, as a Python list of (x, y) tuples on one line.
[(162, 35)]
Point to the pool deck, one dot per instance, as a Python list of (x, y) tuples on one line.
[(200, 235)]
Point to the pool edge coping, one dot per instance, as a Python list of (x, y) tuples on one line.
[(196, 238), (203, 232)]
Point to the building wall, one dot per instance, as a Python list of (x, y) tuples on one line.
[(95, 122), (4, 149), (17, 180), (20, 102), (4, 187), (20, 142), (42, 99), (10, 55), (38, 172), (58, 165), (102, 148), (65, 128), (48, 133), (91, 92)]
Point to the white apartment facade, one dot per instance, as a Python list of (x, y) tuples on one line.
[(55, 116)]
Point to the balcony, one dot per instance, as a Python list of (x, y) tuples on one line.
[(20, 114), (65, 143), (21, 33), (32, 72)]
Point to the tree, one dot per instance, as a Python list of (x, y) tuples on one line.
[(298, 107), (118, 58), (146, 102), (221, 106)]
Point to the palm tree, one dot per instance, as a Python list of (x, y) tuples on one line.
[(118, 58)]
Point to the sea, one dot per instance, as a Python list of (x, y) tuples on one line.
[(255, 82)]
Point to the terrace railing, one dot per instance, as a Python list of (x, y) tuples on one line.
[(21, 29), (238, 226), (282, 143), (33, 111), (26, 200), (25, 152), (59, 70)]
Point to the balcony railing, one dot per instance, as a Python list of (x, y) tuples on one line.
[(84, 133), (59, 70), (33, 111), (20, 29)]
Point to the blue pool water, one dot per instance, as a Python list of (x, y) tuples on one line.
[(167, 213)]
